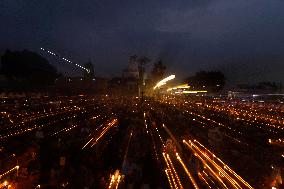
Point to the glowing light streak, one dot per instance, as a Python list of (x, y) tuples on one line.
[(169, 179), (193, 92), (164, 81), (187, 171), (118, 181), (225, 166), (203, 179), (174, 179), (65, 59), (9, 171), (112, 123), (111, 181), (163, 143), (206, 165), (222, 171), (173, 168), (183, 86)]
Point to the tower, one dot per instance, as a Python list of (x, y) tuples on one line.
[(132, 69)]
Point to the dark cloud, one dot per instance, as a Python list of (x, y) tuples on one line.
[(188, 34)]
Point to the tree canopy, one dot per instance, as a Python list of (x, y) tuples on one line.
[(28, 67), (158, 70), (212, 81)]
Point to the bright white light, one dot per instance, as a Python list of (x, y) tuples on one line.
[(164, 81)]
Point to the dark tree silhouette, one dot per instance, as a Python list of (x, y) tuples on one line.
[(158, 71), (212, 81), (28, 67)]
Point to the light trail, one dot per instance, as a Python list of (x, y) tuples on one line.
[(87, 143), (252, 115), (145, 122), (182, 86), (163, 143), (111, 181), (221, 169), (174, 176), (99, 127), (169, 179), (187, 171), (203, 179), (206, 165), (115, 180), (112, 123), (126, 151), (9, 171), (173, 168), (225, 166), (164, 81), (31, 128), (208, 119), (154, 145), (65, 59), (104, 131), (170, 172), (118, 181), (193, 92), (209, 178), (65, 130)]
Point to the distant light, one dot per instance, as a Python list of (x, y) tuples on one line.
[(183, 86), (193, 92)]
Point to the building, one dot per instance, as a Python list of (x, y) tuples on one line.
[(132, 70)]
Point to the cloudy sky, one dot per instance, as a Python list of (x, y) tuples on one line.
[(242, 38)]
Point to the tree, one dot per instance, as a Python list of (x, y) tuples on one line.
[(28, 67), (158, 71), (212, 81)]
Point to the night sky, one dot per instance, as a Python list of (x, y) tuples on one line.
[(242, 38)]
